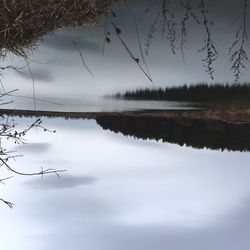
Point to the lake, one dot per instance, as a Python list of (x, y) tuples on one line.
[(94, 104), (163, 175), (123, 193)]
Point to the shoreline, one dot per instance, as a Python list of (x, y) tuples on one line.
[(227, 116), (212, 129)]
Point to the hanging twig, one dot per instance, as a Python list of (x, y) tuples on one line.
[(139, 40), (9, 204), (7, 131), (105, 34), (135, 59), (238, 50), (151, 33), (83, 61), (187, 15), (33, 82), (209, 46)]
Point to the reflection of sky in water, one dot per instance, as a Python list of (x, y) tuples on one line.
[(121, 193), (96, 105), (59, 74)]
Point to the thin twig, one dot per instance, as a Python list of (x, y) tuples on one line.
[(81, 55), (139, 40), (135, 59)]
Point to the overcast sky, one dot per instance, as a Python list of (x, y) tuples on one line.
[(59, 73)]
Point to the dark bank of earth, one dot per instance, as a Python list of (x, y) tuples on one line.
[(213, 129)]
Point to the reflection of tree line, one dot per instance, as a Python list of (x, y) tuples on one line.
[(216, 135), (193, 93)]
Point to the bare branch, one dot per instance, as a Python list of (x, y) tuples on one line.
[(189, 14), (81, 55), (238, 50), (209, 46), (138, 39), (118, 33), (151, 33), (8, 131), (9, 204)]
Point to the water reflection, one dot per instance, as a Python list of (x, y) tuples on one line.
[(147, 195), (56, 65), (97, 104), (119, 192), (35, 148), (217, 135), (63, 182), (197, 133)]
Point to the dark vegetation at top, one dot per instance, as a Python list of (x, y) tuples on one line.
[(203, 93), (24, 22)]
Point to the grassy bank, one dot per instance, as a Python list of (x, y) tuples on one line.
[(24, 22), (202, 93)]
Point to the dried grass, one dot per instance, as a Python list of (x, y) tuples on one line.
[(24, 22)]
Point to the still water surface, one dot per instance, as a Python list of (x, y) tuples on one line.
[(93, 104), (123, 193)]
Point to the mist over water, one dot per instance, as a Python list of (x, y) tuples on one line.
[(95, 104)]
